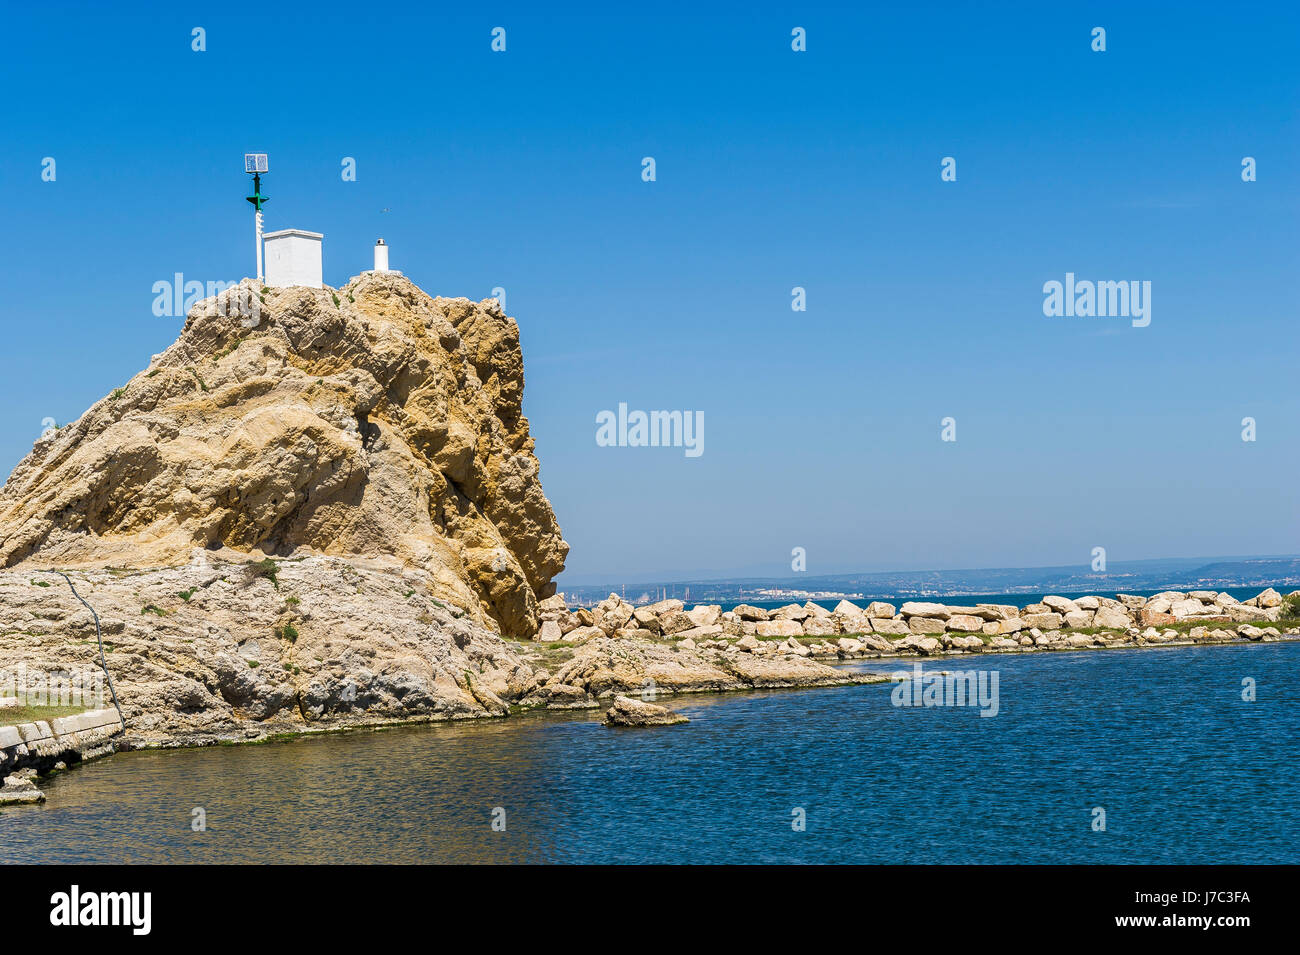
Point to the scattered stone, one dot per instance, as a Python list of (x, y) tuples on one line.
[(629, 712)]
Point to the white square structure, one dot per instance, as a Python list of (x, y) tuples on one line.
[(293, 258)]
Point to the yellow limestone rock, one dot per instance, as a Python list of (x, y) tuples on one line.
[(371, 422)]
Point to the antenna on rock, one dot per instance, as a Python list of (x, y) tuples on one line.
[(256, 164)]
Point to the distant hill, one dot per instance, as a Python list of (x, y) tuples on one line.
[(1193, 573)]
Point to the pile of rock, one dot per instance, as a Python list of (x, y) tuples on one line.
[(20, 787), (921, 625)]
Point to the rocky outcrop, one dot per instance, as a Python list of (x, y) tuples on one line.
[(219, 648), (629, 712), (370, 422)]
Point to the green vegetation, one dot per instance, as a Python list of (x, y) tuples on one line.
[(254, 664), (30, 714), (153, 609), (187, 594), (287, 632), (40, 583), (202, 384), (228, 349), (292, 601), (336, 300), (1291, 610), (117, 393), (267, 568)]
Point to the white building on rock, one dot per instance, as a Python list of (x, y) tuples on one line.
[(293, 257)]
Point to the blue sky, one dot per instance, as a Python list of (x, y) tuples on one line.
[(775, 169)]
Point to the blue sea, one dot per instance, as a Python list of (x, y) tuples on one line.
[(1161, 740)]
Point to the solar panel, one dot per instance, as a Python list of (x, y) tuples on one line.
[(255, 162)]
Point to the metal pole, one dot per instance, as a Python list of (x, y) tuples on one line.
[(258, 220), (99, 636)]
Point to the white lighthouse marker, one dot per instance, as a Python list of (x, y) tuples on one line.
[(256, 164), (381, 259)]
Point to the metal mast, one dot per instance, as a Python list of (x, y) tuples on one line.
[(256, 164)]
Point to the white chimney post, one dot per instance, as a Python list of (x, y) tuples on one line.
[(381, 256)]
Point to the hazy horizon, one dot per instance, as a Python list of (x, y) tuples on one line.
[(711, 576)]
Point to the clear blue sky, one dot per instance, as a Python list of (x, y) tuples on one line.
[(775, 169)]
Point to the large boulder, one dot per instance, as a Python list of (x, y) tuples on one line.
[(997, 611), (1269, 598), (373, 422), (613, 613), (675, 621), (790, 612), (665, 606), (647, 619), (779, 628), (915, 608), (926, 646), (1061, 605), (1243, 611), (820, 626), (852, 622), (1112, 619), (1043, 621), (629, 712), (706, 615)]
